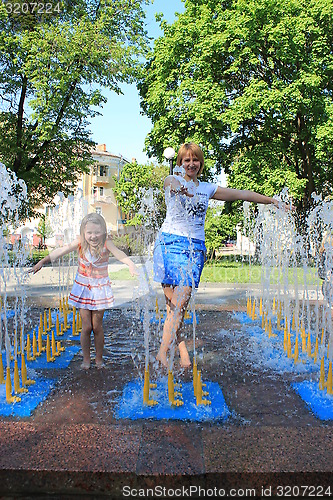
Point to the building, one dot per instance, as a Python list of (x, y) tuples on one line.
[(97, 188), (94, 193)]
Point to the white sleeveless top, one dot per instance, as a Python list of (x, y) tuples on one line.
[(186, 216)]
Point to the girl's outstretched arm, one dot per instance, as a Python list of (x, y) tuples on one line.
[(122, 257), (55, 254)]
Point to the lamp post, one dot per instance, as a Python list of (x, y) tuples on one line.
[(169, 154)]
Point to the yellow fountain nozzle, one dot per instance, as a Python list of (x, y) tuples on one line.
[(329, 382), (146, 386), (151, 402), (322, 375), (177, 402), (9, 397), (17, 388), (49, 358), (2, 376), (25, 380)]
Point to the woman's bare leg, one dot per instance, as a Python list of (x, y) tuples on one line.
[(85, 336), (177, 299)]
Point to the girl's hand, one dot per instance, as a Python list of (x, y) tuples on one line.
[(37, 267), (133, 269)]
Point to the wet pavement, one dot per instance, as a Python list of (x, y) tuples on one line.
[(74, 446)]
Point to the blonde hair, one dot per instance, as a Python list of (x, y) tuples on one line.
[(98, 220), (195, 150)]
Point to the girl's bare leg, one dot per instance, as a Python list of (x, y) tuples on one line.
[(177, 299), (97, 325), (86, 317)]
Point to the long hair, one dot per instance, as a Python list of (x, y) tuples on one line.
[(98, 220), (195, 150)]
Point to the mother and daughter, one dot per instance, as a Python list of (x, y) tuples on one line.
[(179, 257)]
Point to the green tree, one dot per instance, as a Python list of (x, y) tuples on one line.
[(139, 192), (219, 227), (53, 65), (250, 81), (44, 229)]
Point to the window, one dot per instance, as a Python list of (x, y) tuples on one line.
[(102, 170)]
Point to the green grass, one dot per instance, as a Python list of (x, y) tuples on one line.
[(122, 274), (239, 272), (231, 271)]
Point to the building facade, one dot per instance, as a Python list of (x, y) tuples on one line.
[(94, 193), (97, 188)]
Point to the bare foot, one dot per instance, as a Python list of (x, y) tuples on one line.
[(85, 365), (99, 364), (185, 361)]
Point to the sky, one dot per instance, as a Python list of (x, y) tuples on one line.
[(121, 127)]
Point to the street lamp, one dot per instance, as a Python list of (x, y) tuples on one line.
[(169, 154)]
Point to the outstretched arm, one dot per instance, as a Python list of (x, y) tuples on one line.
[(227, 194), (56, 254), (122, 257)]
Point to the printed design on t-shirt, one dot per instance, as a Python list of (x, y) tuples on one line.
[(197, 206)]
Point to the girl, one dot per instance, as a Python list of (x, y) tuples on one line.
[(179, 252), (91, 292)]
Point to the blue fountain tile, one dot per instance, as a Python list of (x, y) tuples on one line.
[(160, 320), (9, 314), (319, 402), (272, 351), (40, 362), (37, 393), (131, 405), (61, 361)]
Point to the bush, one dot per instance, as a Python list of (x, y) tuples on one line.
[(37, 255), (130, 244)]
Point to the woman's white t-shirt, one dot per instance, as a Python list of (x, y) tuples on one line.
[(186, 215)]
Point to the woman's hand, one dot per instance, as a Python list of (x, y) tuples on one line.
[(181, 190), (285, 206), (176, 187)]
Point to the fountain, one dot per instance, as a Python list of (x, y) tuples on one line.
[(26, 352), (166, 398), (290, 319)]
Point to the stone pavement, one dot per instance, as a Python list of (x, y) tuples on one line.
[(74, 446)]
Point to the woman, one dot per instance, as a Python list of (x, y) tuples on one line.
[(179, 252)]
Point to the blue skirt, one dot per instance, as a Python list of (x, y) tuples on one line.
[(178, 260)]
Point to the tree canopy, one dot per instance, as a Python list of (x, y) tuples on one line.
[(251, 82), (140, 195), (53, 64)]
